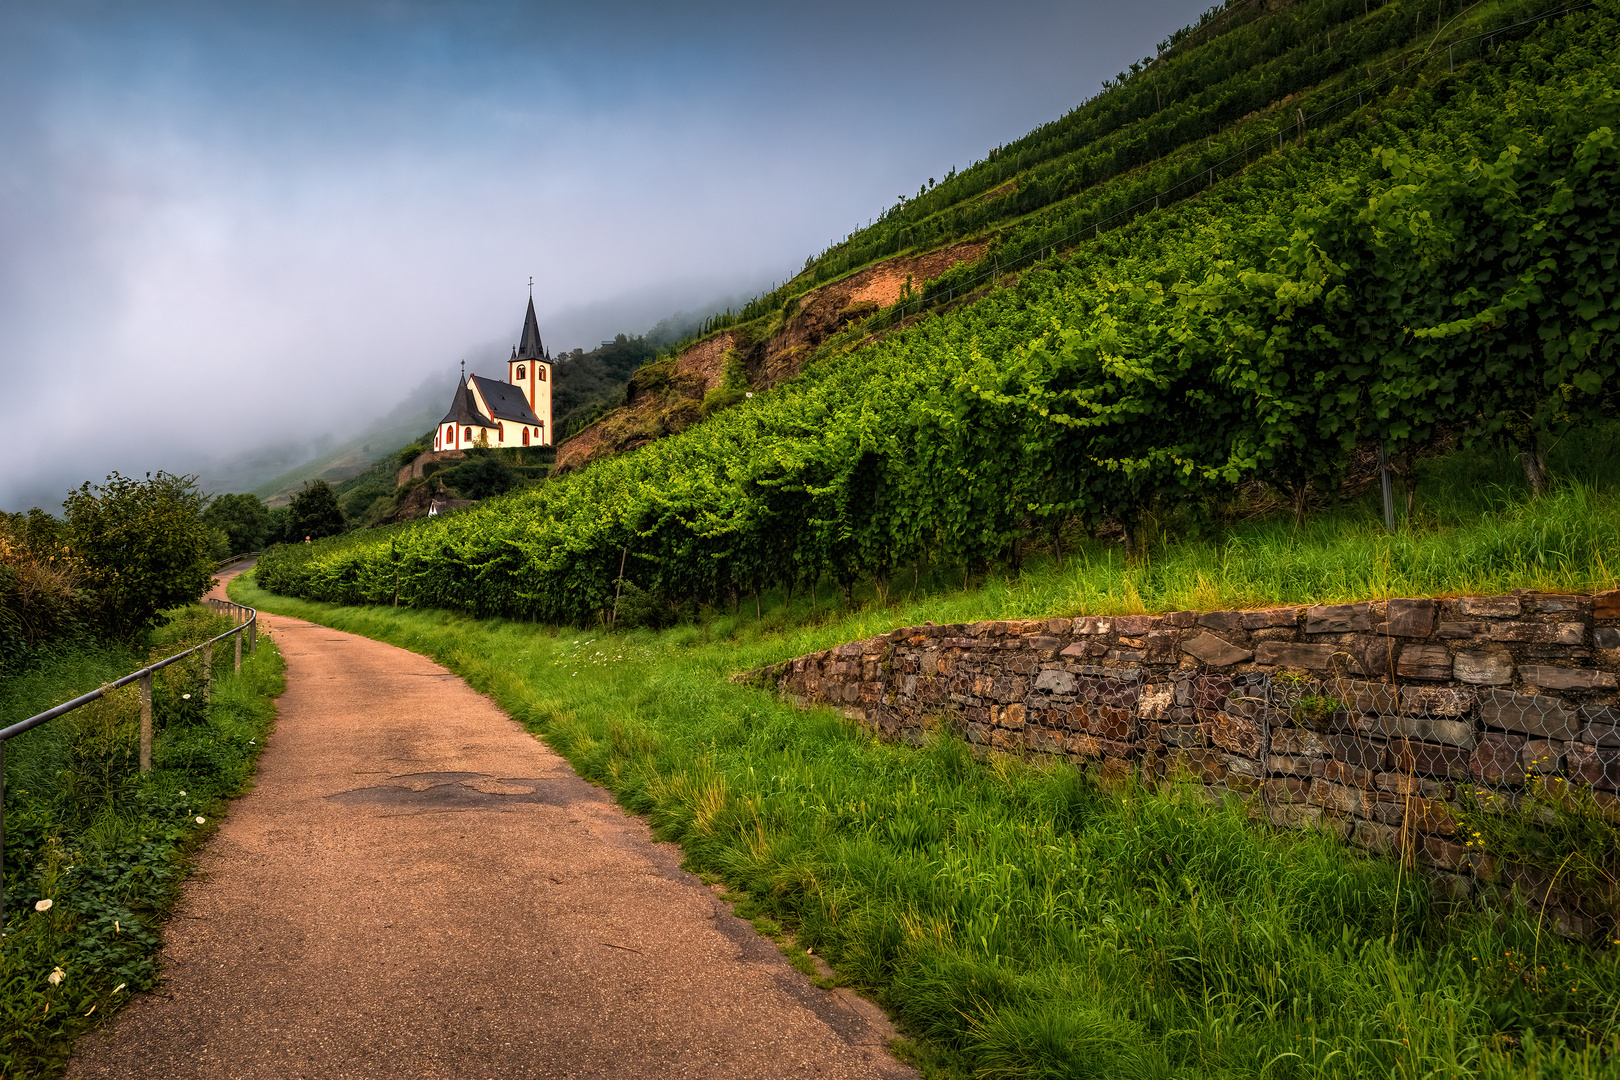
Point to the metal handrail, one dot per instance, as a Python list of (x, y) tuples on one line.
[(248, 625)]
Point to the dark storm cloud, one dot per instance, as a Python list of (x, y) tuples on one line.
[(247, 224)]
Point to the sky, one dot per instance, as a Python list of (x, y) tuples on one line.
[(231, 226)]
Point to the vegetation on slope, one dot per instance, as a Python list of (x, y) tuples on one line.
[(1445, 266)]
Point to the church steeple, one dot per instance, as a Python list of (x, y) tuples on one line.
[(529, 347)]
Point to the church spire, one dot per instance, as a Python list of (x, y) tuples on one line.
[(529, 347)]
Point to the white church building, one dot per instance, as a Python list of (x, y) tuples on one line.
[(517, 412)]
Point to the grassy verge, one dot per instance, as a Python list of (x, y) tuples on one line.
[(94, 851), (1022, 921)]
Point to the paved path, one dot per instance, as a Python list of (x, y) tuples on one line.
[(416, 887)]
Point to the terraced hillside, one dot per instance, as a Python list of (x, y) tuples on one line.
[(1252, 79), (1440, 258)]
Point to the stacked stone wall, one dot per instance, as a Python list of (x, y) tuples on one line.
[(1369, 719)]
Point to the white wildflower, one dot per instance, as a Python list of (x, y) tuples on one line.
[(201, 819), (55, 978), (43, 905), (185, 697)]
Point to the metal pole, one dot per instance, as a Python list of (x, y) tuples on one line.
[(1389, 495), (146, 722)]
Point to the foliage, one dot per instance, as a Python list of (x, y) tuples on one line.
[(137, 547), (315, 512), (482, 475), (1022, 921), (242, 519), (103, 844), (38, 601), (1383, 288)]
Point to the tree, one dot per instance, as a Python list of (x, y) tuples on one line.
[(315, 512), (137, 547), (242, 518)]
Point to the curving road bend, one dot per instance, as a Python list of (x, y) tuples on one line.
[(416, 887)]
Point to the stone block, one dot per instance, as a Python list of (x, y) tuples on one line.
[(1598, 766), (1408, 618), (1211, 691), (1130, 656), (1461, 629), (1179, 620), (1294, 815), (1551, 603), (1602, 725), (1187, 736), (1105, 721), (1339, 797), (1496, 759), (1055, 681), (1544, 756), (1134, 624), (1533, 714), (1491, 607), (1357, 750), (1368, 697), (1376, 837), (1287, 789), (1338, 618), (1076, 651), (1606, 605), (1377, 655), (1294, 765), (1447, 701), (1397, 783), (1237, 734), (1606, 637), (1549, 677), (1428, 729), (1295, 655), (1540, 633), (1221, 620), (1215, 651), (1491, 667), (1058, 627), (1340, 773), (1428, 759), (1012, 716), (1269, 617), (1156, 701), (1424, 662), (1092, 624), (1297, 740)]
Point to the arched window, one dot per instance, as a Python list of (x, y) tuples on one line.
[(542, 372), (466, 433), (521, 374), (525, 436), (500, 431)]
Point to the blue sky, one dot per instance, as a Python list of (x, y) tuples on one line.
[(236, 224)]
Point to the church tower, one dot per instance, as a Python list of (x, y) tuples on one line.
[(530, 371)]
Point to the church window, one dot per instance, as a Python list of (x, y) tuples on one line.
[(525, 436), (542, 372), (467, 434), (500, 431), (521, 375)]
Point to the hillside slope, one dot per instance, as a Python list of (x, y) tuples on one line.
[(1250, 78), (1441, 259)]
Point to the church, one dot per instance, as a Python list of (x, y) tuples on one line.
[(517, 412)]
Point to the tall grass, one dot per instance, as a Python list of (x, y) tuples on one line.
[(1023, 921), (94, 850)]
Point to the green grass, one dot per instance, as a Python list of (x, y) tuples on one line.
[(104, 845), (1021, 921)]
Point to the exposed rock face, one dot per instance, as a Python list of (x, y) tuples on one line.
[(817, 315)]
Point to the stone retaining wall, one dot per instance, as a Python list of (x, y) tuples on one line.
[(1371, 719)]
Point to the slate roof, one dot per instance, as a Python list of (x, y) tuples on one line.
[(464, 411), (505, 401), (529, 347)]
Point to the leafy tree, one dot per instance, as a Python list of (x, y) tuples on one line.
[(242, 518), (137, 547), (315, 512), (481, 477), (279, 525)]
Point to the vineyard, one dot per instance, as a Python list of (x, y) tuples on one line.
[(1441, 260)]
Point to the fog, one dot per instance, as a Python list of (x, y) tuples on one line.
[(227, 229)]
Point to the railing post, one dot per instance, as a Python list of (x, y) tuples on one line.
[(208, 672), (146, 722), (238, 639), (253, 634)]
